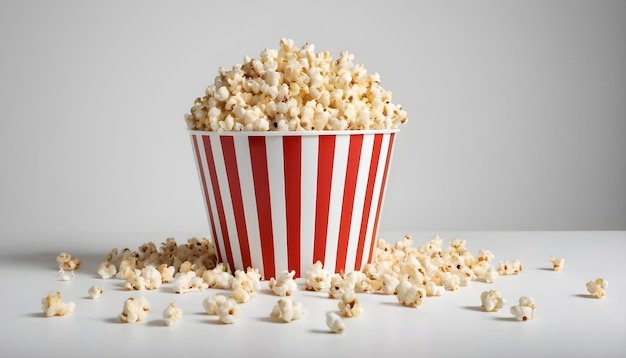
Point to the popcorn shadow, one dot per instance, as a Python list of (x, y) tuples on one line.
[(270, 320), (506, 319), (322, 331), (112, 320), (474, 308), (35, 315), (584, 295), (156, 323), (545, 269)]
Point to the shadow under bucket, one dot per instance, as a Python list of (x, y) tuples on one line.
[(284, 200)]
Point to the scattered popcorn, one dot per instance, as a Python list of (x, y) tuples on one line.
[(228, 311), (557, 264), (53, 306), (491, 300), (134, 310), (334, 322), (67, 262), (349, 305), (510, 268), (316, 278), (188, 282), (288, 310), (295, 89), (212, 303), (390, 283), (433, 290), (94, 292), (246, 284), (450, 281), (598, 287), (106, 270), (172, 314), (525, 310), (284, 285)]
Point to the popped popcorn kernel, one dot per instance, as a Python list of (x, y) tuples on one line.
[(134, 310), (509, 268), (67, 262), (557, 264), (212, 303), (349, 305), (171, 314), (316, 278), (525, 310), (410, 294), (185, 282), (288, 310), (284, 285), (95, 292), (52, 305), (334, 322), (106, 270), (228, 311), (597, 287), (491, 300)]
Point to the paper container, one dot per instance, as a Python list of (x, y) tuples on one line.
[(283, 200)]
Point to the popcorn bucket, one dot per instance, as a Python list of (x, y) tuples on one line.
[(283, 200)]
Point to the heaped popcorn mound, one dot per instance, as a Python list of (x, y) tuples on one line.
[(295, 89)]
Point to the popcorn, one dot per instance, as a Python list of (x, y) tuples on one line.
[(284, 285), (509, 268), (525, 310), (316, 278), (212, 303), (188, 282), (598, 287), (94, 292), (218, 277), (288, 310), (228, 311), (172, 314), (53, 306), (409, 294), (349, 305), (491, 300), (557, 264), (67, 262), (106, 270), (148, 278), (334, 322), (134, 310), (293, 89)]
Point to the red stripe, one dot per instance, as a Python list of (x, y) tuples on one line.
[(234, 184), (258, 157), (367, 203), (380, 198), (352, 171), (292, 157), (206, 194), (218, 198), (325, 159)]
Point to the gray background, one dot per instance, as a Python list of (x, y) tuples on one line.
[(517, 109)]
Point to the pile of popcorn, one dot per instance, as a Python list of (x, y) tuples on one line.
[(295, 89), (410, 273)]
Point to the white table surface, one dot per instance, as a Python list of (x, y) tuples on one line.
[(568, 321)]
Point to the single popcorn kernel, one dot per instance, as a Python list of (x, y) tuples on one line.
[(334, 322), (95, 292), (67, 262), (284, 285), (228, 311), (53, 306), (288, 310), (349, 305), (491, 300), (172, 314), (295, 89), (598, 287), (557, 264), (525, 310), (134, 310)]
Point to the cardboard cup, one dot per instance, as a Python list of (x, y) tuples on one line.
[(283, 200)]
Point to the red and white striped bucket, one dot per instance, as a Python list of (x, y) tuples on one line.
[(283, 200)]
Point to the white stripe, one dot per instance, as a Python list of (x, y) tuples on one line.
[(222, 180), (359, 201), (244, 164), (338, 180), (308, 197), (276, 174), (377, 189), (209, 186)]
